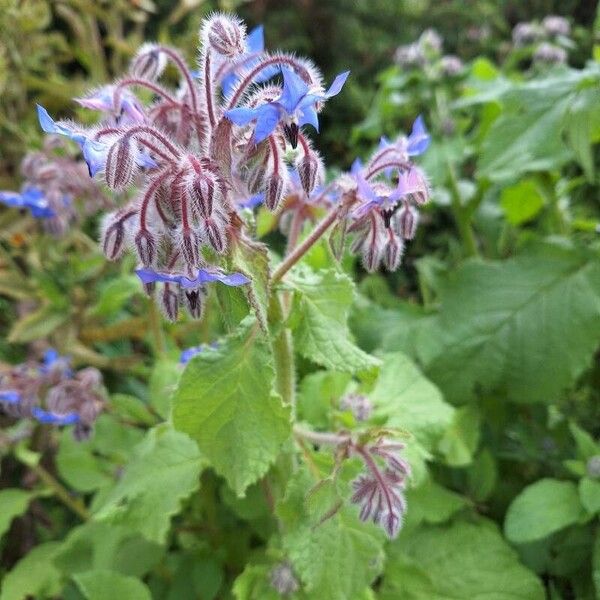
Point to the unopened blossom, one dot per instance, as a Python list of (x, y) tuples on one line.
[(283, 580), (358, 404), (592, 467), (524, 34), (550, 54), (451, 65), (556, 25)]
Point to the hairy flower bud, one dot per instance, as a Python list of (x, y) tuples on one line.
[(201, 192), (273, 191), (405, 222), (169, 303), (120, 164), (226, 35), (392, 254), (148, 63), (358, 404), (113, 237), (308, 169), (145, 245), (215, 234), (190, 248)]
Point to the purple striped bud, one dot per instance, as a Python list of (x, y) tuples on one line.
[(308, 168), (169, 303), (145, 245), (190, 248), (273, 191), (113, 236), (148, 63), (393, 252), (256, 177), (120, 164), (194, 301), (201, 192), (226, 36), (149, 288), (215, 234), (373, 243), (406, 222)]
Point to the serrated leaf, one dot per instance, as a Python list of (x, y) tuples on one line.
[(459, 561), (163, 471), (34, 575), (226, 403), (322, 302), (503, 326), (108, 585), (541, 509), (13, 502)]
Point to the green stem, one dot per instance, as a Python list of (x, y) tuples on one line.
[(157, 332), (461, 215)]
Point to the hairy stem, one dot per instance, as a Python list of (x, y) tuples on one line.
[(321, 438)]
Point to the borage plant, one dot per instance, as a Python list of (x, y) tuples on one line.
[(195, 170)]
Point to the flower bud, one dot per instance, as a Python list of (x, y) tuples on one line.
[(273, 191), (393, 252), (215, 234), (120, 164), (194, 300), (283, 580), (406, 222), (201, 192), (169, 303), (189, 248), (308, 169), (148, 63), (113, 236), (226, 35), (146, 247)]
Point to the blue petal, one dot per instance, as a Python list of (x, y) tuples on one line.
[(308, 116), (418, 140), (268, 118), (383, 142), (294, 89), (43, 416), (48, 124), (338, 83), (203, 276), (252, 201), (10, 396), (256, 39), (241, 116), (94, 153)]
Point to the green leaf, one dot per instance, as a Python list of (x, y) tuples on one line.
[(521, 202), (586, 446), (163, 471), (132, 408), (115, 294), (108, 585), (541, 509), (407, 400), (13, 502), (433, 503), (503, 326), (596, 565), (462, 437), (163, 383), (319, 392), (589, 493), (322, 302), (226, 403), (34, 575), (37, 325), (459, 561), (482, 476)]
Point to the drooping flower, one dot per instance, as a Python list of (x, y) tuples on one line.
[(31, 198), (128, 110), (295, 107)]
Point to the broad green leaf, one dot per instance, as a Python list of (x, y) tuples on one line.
[(108, 585), (541, 509), (226, 403), (482, 475), (462, 437), (457, 562), (37, 325), (586, 446), (433, 503), (34, 575), (13, 502), (163, 471), (521, 202), (163, 383), (322, 302), (254, 583), (589, 493), (407, 400), (319, 392), (97, 545), (115, 294), (503, 326), (132, 409)]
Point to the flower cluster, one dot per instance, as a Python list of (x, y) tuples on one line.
[(193, 158), (547, 40), (388, 190), (52, 393), (52, 184)]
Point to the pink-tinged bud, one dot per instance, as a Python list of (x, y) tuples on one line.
[(220, 145), (194, 301), (308, 169), (406, 222), (190, 248), (226, 35), (392, 254), (149, 288), (215, 234), (148, 63), (257, 177), (201, 192), (273, 191), (145, 245), (120, 164), (169, 303), (113, 237), (373, 243)]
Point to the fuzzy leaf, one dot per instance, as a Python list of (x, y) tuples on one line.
[(163, 471), (13, 502), (108, 585), (226, 403), (320, 321)]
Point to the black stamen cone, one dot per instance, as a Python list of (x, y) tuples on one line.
[(291, 134)]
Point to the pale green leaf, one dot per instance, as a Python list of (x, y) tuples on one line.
[(108, 585), (13, 502), (521, 202), (163, 383), (226, 403), (462, 437), (37, 325), (589, 493)]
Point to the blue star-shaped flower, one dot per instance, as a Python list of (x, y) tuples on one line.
[(94, 151), (46, 417), (294, 108), (203, 276), (416, 143), (31, 198), (102, 99)]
